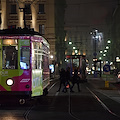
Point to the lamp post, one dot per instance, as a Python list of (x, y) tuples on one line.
[(95, 37)]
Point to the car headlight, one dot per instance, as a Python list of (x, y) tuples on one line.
[(10, 82)]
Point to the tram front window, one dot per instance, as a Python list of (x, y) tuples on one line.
[(10, 57), (75, 63), (25, 58)]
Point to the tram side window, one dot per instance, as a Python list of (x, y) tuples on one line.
[(40, 62), (36, 55), (37, 61), (25, 58), (10, 57)]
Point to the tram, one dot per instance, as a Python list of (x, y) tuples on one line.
[(24, 63), (77, 62)]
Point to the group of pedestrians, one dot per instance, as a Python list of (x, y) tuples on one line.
[(67, 80)]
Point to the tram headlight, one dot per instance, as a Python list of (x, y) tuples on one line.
[(10, 82)]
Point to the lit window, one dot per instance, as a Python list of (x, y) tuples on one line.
[(42, 29)]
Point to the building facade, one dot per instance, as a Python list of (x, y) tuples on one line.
[(115, 37)]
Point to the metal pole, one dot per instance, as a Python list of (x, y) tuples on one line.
[(95, 54)]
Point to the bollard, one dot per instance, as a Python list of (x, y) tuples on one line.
[(107, 84)]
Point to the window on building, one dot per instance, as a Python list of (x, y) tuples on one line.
[(13, 9), (41, 9), (28, 8), (42, 29)]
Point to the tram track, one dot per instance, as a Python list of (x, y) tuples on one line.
[(26, 113), (102, 103), (97, 98), (70, 109)]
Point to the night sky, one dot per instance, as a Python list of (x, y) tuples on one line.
[(89, 12)]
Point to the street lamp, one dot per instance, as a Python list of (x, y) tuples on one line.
[(105, 51), (76, 51), (107, 47), (95, 38), (108, 41), (70, 43), (74, 48), (104, 55)]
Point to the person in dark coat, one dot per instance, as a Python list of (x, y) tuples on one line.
[(62, 80), (75, 80), (83, 69), (68, 74)]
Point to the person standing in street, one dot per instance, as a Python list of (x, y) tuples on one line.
[(83, 69), (62, 81), (75, 80)]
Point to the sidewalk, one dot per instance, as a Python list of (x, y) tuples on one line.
[(111, 89)]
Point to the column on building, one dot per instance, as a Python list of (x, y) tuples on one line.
[(20, 14), (34, 16), (4, 14)]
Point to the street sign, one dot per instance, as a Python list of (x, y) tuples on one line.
[(106, 69), (95, 54)]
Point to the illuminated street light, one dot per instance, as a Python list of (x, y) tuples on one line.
[(70, 43), (107, 47), (108, 41), (104, 55), (101, 51), (105, 50), (117, 59), (51, 56), (74, 48), (76, 51)]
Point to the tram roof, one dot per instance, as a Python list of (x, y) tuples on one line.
[(19, 31)]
